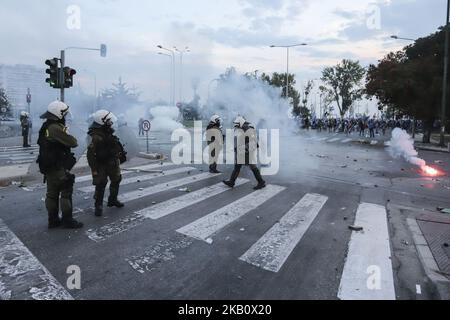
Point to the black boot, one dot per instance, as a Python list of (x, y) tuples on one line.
[(113, 194), (114, 202), (257, 174), (72, 224), (213, 168), (98, 210), (56, 223), (229, 183), (98, 196)]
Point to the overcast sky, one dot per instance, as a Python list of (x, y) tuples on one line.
[(220, 33)]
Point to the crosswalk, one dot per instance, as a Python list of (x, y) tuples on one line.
[(18, 155), (367, 267), (345, 140), (368, 250)]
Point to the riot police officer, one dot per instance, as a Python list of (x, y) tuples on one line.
[(105, 154), (25, 123), (55, 162), (245, 152), (213, 130)]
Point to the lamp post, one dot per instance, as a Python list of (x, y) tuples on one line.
[(401, 38), (171, 77), (102, 50), (444, 80), (287, 62), (173, 70), (181, 52)]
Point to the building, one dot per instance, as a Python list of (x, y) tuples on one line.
[(17, 79)]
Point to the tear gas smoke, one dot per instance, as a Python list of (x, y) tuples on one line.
[(262, 105), (165, 118), (254, 99), (401, 145)]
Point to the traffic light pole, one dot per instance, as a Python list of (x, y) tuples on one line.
[(61, 74)]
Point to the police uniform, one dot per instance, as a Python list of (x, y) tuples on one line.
[(245, 154), (212, 130), (55, 162), (25, 123), (105, 154)]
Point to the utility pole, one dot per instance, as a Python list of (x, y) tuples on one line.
[(444, 81), (61, 74)]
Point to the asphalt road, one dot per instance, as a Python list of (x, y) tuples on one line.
[(290, 241)]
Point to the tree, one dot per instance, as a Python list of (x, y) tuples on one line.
[(5, 107), (279, 80), (119, 98), (409, 82), (342, 84)]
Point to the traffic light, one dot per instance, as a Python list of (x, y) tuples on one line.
[(53, 72), (68, 76)]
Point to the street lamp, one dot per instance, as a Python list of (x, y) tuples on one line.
[(173, 70), (171, 77), (401, 38), (181, 52), (287, 62)]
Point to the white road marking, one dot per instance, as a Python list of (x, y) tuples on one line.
[(162, 251), (133, 195), (334, 140), (204, 227), (173, 205), (157, 211), (374, 142), (272, 250), (22, 276), (367, 271), (346, 140), (143, 178), (127, 171)]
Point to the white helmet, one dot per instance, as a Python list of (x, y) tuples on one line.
[(58, 109), (215, 118), (239, 122), (24, 114), (104, 118)]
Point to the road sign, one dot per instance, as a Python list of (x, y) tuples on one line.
[(146, 126)]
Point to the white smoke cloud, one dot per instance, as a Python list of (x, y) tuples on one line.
[(253, 99), (402, 146), (165, 118)]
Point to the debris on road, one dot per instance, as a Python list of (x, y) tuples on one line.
[(209, 241), (439, 162), (184, 190), (242, 229), (344, 166), (443, 210), (356, 228)]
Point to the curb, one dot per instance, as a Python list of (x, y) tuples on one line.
[(151, 156), (431, 269), (425, 148)]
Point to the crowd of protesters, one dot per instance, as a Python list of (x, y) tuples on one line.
[(364, 126)]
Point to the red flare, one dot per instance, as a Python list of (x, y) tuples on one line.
[(429, 171)]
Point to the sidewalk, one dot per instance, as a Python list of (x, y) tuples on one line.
[(433, 146)]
